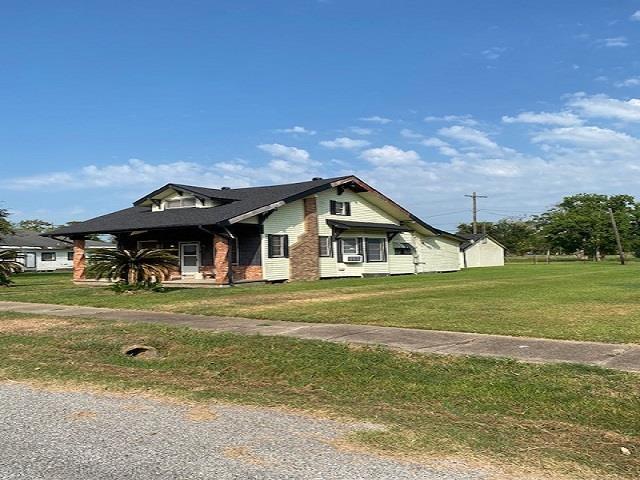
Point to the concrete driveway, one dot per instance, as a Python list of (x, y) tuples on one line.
[(72, 435)]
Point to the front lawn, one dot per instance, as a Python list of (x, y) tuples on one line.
[(559, 418), (581, 301)]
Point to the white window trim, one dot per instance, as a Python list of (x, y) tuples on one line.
[(328, 244), (181, 201), (383, 249), (355, 239)]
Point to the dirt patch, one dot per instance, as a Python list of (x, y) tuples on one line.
[(200, 413), (82, 415), (30, 325), (244, 454)]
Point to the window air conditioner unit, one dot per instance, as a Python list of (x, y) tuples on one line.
[(353, 259)]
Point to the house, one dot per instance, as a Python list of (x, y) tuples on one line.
[(41, 254), (480, 250), (323, 228)]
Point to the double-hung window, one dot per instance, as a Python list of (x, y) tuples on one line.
[(350, 246), (326, 245), (278, 246), (70, 256), (48, 256), (375, 250), (340, 208)]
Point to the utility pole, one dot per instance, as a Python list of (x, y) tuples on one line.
[(617, 234), (474, 197)]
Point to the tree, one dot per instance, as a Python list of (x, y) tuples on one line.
[(132, 266), (8, 266), (518, 236), (5, 225), (580, 223), (35, 225)]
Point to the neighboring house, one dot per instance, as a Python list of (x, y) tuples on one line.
[(337, 227), (480, 250), (39, 254)]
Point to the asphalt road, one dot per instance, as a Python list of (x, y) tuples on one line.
[(57, 435)]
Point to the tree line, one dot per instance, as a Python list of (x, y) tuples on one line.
[(578, 225)]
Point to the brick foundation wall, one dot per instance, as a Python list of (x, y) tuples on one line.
[(247, 272), (79, 260), (304, 255)]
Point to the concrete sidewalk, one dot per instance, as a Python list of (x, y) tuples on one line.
[(616, 356)]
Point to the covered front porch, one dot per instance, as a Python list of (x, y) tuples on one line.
[(206, 255)]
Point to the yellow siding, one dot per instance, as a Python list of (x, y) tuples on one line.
[(286, 220), (402, 263), (485, 253), (438, 254), (361, 211)]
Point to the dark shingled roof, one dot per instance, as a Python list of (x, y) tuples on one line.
[(245, 200), (28, 238), (236, 202)]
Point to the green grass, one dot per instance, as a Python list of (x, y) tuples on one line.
[(580, 301), (560, 418)]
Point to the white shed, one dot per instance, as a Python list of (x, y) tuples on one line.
[(481, 250)]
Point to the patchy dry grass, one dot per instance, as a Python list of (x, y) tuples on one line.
[(578, 301), (557, 418)]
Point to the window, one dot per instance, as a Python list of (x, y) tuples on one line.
[(278, 246), (48, 256), (350, 246), (326, 245), (402, 249), (180, 203), (146, 244), (340, 208), (70, 256), (375, 250), (235, 251)]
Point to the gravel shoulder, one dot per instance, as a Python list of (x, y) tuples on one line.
[(57, 435)]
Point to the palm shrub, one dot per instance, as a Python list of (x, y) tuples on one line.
[(132, 266), (8, 266)]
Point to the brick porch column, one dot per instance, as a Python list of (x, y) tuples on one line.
[(221, 259), (79, 259)]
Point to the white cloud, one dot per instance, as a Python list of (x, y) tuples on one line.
[(361, 130), (614, 42), (407, 133), (636, 16), (443, 147), (493, 53), (297, 129), (345, 142), (292, 154), (376, 119), (603, 106), (468, 135), (564, 119), (594, 138), (461, 119), (390, 155), (628, 82)]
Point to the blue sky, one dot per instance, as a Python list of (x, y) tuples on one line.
[(101, 102)]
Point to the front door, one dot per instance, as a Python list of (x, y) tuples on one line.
[(189, 258), (30, 260)]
